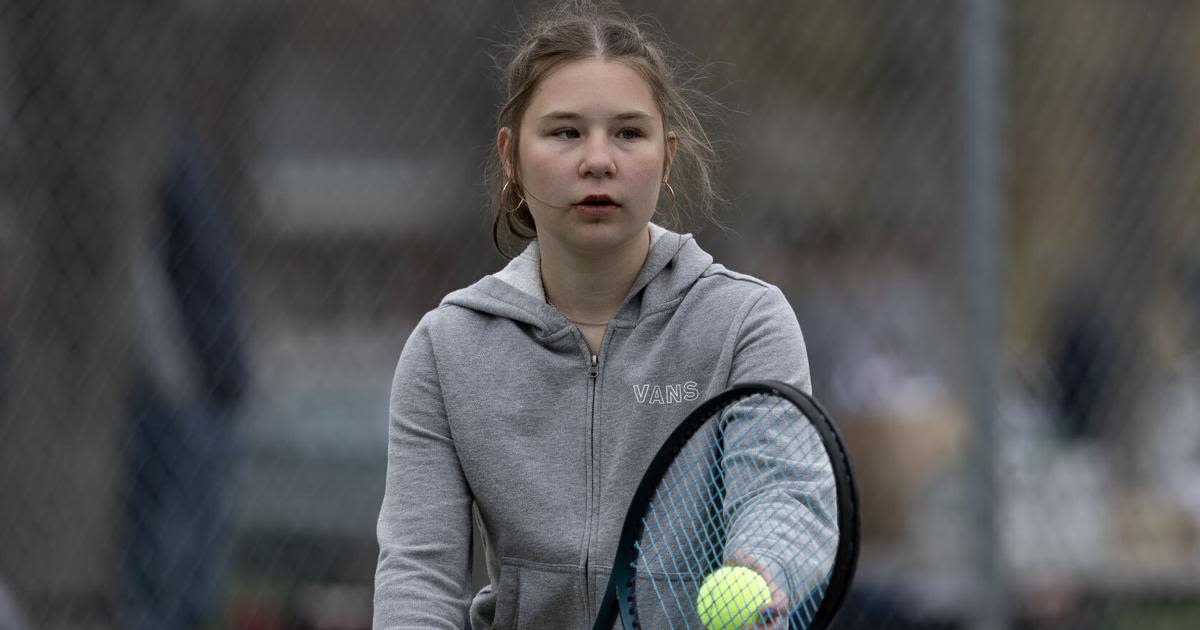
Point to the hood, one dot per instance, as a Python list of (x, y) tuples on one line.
[(674, 263)]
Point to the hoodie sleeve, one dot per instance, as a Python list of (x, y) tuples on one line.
[(769, 344), (424, 527), (780, 484)]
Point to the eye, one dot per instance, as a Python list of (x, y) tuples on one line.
[(565, 134), (629, 133)]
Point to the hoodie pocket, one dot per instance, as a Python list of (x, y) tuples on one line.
[(537, 596), (667, 600)]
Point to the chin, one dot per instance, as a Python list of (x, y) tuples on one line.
[(604, 235)]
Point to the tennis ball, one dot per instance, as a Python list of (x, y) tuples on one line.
[(730, 597)]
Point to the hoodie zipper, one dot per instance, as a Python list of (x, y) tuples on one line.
[(593, 374)]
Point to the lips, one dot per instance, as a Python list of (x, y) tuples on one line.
[(596, 205), (596, 200)]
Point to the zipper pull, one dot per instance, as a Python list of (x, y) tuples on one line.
[(594, 368)]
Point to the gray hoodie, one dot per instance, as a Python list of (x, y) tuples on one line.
[(500, 412)]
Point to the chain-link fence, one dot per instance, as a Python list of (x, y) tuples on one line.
[(220, 220)]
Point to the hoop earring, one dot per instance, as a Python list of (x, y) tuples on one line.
[(504, 191), (672, 191)]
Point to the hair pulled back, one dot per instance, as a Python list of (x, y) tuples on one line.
[(583, 29)]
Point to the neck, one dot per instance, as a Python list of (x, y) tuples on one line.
[(590, 286)]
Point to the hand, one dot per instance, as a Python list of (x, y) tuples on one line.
[(774, 615)]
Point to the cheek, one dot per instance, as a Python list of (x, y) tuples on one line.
[(647, 169), (538, 162), (538, 167)]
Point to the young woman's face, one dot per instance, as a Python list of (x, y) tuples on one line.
[(591, 155)]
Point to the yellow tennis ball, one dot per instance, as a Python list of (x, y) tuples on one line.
[(730, 597)]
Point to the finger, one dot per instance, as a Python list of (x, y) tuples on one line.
[(772, 619), (779, 600)]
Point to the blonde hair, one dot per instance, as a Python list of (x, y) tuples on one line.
[(585, 29)]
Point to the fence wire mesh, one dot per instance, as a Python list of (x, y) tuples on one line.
[(220, 220)]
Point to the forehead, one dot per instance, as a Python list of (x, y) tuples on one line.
[(594, 88)]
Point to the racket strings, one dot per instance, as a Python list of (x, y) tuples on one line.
[(676, 571), (753, 488)]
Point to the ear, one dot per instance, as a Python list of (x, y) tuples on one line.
[(502, 140), (672, 145)]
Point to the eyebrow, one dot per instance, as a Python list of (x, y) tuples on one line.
[(633, 115)]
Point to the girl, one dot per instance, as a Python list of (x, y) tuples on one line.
[(533, 400)]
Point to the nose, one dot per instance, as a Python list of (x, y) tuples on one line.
[(597, 159)]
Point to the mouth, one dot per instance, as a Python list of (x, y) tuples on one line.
[(596, 205)]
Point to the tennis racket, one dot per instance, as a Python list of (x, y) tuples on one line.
[(747, 517)]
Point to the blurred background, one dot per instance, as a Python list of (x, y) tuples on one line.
[(219, 221)]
